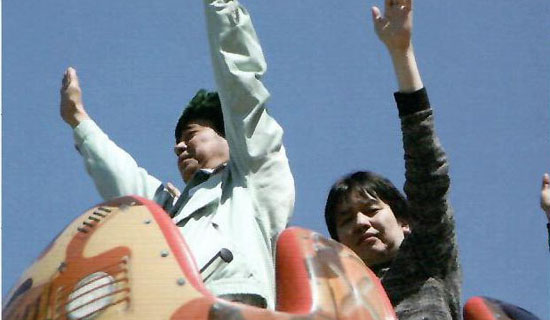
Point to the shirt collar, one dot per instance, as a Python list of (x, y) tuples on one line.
[(209, 171)]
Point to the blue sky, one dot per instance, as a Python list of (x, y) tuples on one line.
[(485, 65)]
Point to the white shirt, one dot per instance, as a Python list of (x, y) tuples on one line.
[(242, 207)]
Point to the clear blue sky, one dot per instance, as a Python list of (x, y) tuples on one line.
[(485, 65)]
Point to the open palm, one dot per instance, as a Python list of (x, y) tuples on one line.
[(394, 28)]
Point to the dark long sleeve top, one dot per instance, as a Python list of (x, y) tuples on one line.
[(423, 280)]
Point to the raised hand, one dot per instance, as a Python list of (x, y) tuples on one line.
[(71, 106), (545, 195), (394, 28)]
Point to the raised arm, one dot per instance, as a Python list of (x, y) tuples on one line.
[(114, 172), (255, 139), (427, 173), (239, 65), (394, 29)]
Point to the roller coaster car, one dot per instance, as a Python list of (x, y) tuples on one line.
[(125, 259), (486, 308)]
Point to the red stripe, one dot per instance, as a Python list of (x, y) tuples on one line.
[(293, 283)]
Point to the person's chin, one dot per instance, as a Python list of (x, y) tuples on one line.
[(376, 255), (188, 173)]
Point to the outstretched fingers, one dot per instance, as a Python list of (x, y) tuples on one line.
[(405, 4), (377, 18), (398, 4)]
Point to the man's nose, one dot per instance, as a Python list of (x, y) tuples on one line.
[(362, 220), (179, 148)]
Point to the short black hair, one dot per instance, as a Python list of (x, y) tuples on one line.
[(205, 105), (363, 181)]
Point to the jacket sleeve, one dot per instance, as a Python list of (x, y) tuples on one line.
[(114, 172), (258, 157), (427, 185)]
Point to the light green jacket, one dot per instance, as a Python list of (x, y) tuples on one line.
[(242, 207)]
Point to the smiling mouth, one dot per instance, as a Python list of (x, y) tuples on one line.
[(367, 238)]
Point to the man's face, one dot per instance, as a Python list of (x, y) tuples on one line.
[(200, 147), (368, 226)]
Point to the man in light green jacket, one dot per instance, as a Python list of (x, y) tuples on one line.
[(239, 192)]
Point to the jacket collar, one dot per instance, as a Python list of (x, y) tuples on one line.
[(202, 191)]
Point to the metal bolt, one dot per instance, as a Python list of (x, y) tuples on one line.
[(164, 253), (181, 281), (62, 267), (148, 221)]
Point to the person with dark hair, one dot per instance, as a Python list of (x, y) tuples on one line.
[(410, 243), (204, 105), (239, 192)]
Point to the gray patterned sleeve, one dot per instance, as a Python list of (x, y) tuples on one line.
[(427, 186)]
